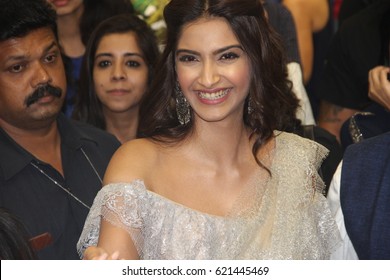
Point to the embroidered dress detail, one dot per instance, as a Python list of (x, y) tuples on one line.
[(280, 217)]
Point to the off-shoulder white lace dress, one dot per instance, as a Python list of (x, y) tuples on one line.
[(280, 217)]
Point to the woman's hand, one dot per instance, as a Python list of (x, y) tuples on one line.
[(379, 85), (98, 253)]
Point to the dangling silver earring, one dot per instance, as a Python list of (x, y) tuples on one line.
[(182, 106), (250, 105)]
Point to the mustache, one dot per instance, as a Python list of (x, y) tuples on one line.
[(42, 91)]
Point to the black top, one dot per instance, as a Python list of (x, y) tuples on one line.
[(321, 44), (355, 49), (42, 205), (282, 22), (351, 7)]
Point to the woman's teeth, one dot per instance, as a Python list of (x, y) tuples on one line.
[(214, 95)]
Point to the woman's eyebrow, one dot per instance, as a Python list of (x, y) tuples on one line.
[(110, 54), (218, 51)]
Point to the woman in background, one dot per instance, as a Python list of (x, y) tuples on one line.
[(14, 239), (76, 20), (117, 71)]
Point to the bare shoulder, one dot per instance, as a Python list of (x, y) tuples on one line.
[(297, 4), (315, 11), (133, 160), (306, 3), (136, 148)]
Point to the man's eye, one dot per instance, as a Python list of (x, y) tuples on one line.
[(50, 58), (16, 68)]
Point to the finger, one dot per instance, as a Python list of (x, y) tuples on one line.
[(374, 82), (103, 256), (95, 253), (379, 86), (114, 256), (383, 76)]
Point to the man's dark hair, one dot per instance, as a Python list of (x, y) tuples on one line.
[(19, 17)]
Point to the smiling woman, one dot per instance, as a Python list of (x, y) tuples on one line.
[(117, 70), (214, 176), (215, 73)]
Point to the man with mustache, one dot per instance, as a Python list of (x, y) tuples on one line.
[(50, 167)]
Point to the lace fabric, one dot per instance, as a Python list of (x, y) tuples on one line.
[(283, 216)]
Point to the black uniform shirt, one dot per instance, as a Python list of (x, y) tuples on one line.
[(38, 201)]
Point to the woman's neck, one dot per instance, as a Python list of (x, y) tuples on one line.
[(123, 125), (223, 144), (70, 35)]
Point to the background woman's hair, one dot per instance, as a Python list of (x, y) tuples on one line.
[(95, 11), (14, 239)]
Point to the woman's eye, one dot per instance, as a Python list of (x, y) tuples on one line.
[(187, 58), (133, 64), (229, 56), (103, 63)]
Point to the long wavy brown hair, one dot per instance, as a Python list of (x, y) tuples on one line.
[(274, 105)]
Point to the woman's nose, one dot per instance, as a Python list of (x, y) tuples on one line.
[(209, 75)]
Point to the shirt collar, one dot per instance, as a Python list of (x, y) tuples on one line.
[(71, 136), (14, 157)]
